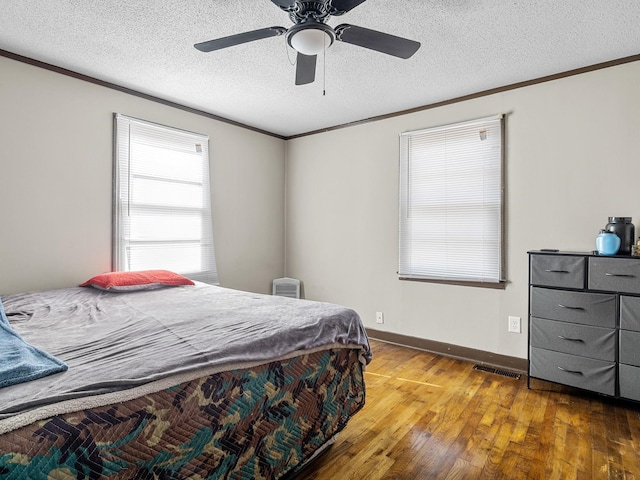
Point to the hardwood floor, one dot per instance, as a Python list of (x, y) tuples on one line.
[(429, 416)]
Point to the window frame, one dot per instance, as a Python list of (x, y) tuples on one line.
[(404, 273), (123, 194)]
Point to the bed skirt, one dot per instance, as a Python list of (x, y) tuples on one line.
[(262, 422)]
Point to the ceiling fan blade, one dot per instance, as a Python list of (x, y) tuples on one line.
[(342, 6), (305, 69), (240, 38), (378, 41)]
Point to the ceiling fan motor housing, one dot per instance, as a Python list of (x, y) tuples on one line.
[(305, 10)]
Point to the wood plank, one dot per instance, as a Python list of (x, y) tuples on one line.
[(429, 416)]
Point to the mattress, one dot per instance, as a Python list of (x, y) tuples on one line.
[(185, 382)]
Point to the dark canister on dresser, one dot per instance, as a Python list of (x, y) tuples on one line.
[(622, 227)]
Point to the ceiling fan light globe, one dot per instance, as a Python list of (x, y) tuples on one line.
[(310, 41)]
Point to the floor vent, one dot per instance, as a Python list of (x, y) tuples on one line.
[(497, 371)]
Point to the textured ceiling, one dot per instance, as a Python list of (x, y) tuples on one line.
[(468, 46)]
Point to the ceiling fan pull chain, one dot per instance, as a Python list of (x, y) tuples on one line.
[(324, 69), (286, 48)]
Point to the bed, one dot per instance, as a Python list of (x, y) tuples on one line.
[(192, 381)]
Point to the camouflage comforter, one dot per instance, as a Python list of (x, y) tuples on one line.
[(255, 423)]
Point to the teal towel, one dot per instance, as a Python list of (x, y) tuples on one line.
[(21, 362)]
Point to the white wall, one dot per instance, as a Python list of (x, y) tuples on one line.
[(573, 159), (56, 177)]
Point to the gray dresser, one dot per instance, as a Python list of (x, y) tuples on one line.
[(584, 321)]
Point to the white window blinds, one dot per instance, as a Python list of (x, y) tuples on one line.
[(451, 202), (162, 206)]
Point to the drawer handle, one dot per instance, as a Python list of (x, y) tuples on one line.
[(571, 339), (575, 372), (626, 275), (557, 271), (569, 307)]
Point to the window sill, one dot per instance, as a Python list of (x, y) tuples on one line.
[(496, 286)]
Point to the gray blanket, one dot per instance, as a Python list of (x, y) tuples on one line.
[(116, 341)]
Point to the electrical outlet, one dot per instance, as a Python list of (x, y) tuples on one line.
[(514, 324), (379, 317)]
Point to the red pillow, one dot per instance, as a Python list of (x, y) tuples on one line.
[(131, 281)]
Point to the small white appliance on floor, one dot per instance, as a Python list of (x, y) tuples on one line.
[(286, 287)]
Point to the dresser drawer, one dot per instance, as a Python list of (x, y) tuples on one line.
[(588, 373), (582, 340), (629, 382), (558, 271), (614, 274), (630, 313), (598, 309), (630, 348)]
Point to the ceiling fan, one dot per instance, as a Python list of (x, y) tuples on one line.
[(310, 34)]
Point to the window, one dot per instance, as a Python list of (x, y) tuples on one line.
[(162, 203), (451, 203)]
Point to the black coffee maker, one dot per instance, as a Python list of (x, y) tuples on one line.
[(622, 227)]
